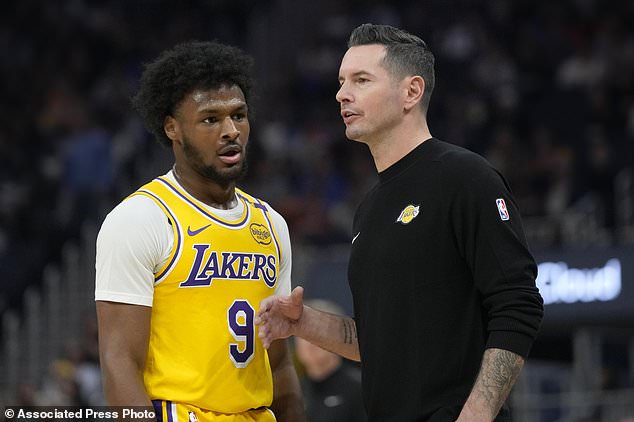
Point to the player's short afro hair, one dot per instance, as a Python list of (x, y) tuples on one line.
[(177, 72)]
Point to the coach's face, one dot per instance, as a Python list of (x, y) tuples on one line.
[(371, 100), (209, 132)]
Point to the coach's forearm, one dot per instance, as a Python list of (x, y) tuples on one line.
[(498, 373), (335, 333)]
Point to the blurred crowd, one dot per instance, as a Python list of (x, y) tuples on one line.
[(544, 90), (71, 379)]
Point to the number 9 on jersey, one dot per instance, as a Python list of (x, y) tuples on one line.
[(241, 325)]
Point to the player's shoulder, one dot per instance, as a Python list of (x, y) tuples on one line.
[(255, 201), (260, 203), (132, 212)]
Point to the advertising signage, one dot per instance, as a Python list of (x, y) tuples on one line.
[(587, 287)]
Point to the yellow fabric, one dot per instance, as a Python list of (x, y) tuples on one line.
[(203, 348), (171, 412)]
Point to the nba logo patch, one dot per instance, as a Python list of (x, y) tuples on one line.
[(504, 213)]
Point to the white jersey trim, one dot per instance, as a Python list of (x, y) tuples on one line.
[(124, 298)]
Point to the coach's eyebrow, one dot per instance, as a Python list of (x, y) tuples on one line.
[(357, 74)]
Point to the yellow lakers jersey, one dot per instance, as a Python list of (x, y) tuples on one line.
[(203, 347)]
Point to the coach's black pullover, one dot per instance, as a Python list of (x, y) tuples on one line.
[(438, 273)]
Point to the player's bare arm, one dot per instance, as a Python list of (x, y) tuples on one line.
[(498, 373), (123, 341), (284, 316), (288, 402)]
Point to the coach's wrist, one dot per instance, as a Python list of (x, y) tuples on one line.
[(298, 328)]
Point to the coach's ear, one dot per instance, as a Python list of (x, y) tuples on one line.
[(414, 88), (172, 129)]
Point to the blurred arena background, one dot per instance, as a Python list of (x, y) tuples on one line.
[(544, 90)]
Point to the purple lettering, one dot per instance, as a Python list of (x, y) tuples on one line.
[(258, 266), (234, 265), (270, 273), (228, 259), (244, 259), (210, 270), (193, 279)]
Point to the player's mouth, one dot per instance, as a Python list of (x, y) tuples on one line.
[(230, 154)]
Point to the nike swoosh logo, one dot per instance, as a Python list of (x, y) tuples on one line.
[(333, 401), (355, 238), (195, 232)]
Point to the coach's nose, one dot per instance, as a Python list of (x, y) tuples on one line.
[(343, 94)]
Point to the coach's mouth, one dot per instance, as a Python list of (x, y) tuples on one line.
[(349, 115)]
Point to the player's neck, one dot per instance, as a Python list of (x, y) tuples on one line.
[(213, 194)]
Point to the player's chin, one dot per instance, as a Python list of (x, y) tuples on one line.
[(233, 172), (237, 171)]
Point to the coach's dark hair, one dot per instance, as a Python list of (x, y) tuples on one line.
[(406, 54), (177, 72)]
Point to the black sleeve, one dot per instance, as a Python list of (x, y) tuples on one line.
[(489, 235)]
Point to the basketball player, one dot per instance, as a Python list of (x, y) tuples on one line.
[(183, 263), (443, 284)]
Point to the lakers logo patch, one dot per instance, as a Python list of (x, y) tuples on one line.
[(408, 214), (260, 233)]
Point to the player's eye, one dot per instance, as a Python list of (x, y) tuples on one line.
[(239, 116), (210, 120)]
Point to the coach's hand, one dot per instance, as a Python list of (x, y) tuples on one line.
[(278, 316)]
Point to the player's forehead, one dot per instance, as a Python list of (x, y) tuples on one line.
[(362, 58), (223, 97)]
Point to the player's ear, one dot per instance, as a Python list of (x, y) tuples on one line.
[(171, 128), (414, 90)]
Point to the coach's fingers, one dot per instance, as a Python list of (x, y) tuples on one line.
[(297, 296), (266, 304), (266, 343), (264, 337), (292, 306)]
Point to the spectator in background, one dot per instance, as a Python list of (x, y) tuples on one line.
[(86, 168), (59, 387), (332, 389)]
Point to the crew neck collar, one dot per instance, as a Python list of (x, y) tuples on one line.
[(409, 159)]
